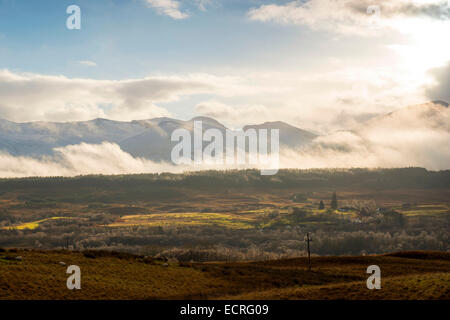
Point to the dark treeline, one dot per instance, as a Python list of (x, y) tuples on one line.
[(288, 178)]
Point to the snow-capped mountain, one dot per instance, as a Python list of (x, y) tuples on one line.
[(150, 139), (421, 131)]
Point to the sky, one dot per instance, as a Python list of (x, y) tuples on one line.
[(322, 65)]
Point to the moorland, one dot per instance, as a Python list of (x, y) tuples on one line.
[(231, 215)]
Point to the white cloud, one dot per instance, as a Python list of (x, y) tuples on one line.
[(233, 116), (351, 16), (85, 159), (202, 4), (397, 75), (169, 8), (82, 159), (414, 136), (37, 97), (315, 101), (30, 97), (87, 63), (318, 101)]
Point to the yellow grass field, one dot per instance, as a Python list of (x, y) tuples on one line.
[(232, 221), (425, 210), (33, 225)]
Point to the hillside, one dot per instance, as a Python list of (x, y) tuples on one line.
[(105, 275)]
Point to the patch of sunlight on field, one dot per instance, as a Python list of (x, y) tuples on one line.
[(436, 206), (425, 210), (33, 225), (337, 212), (231, 221), (265, 210)]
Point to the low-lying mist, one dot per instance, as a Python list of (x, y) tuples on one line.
[(416, 136)]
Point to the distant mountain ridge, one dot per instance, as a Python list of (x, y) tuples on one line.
[(151, 138)]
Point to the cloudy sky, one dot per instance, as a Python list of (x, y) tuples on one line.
[(322, 65)]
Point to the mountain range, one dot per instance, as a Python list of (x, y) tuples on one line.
[(150, 139)]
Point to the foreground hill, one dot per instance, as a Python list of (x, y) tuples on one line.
[(104, 275)]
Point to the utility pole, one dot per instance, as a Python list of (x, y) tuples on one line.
[(308, 240)]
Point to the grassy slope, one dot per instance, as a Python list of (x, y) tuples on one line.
[(419, 275)]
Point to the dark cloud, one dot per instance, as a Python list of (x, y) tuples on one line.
[(441, 91)]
